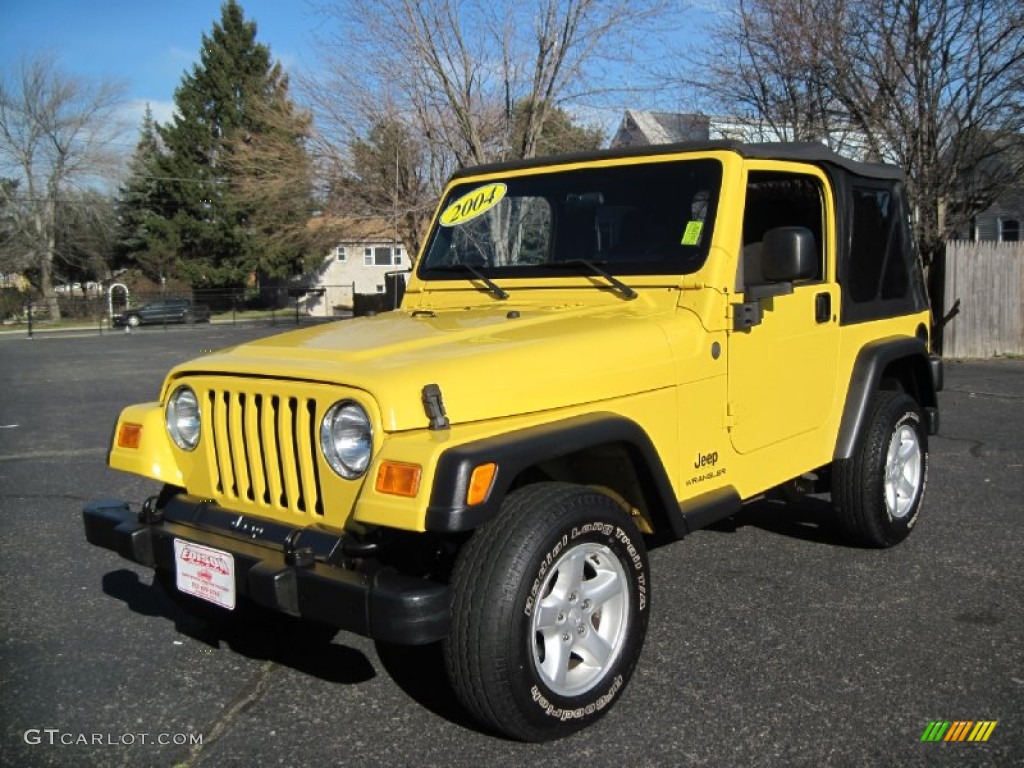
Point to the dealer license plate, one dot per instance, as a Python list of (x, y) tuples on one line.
[(205, 572)]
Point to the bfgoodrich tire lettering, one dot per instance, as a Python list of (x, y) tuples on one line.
[(550, 607), (878, 490)]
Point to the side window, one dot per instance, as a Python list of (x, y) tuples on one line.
[(879, 240), (780, 200)]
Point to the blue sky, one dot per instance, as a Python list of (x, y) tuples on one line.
[(148, 44)]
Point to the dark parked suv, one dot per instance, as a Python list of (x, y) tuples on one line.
[(164, 311)]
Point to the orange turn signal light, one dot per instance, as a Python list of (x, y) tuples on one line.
[(480, 483), (129, 436), (398, 479)]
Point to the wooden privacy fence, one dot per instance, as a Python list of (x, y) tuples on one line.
[(988, 278)]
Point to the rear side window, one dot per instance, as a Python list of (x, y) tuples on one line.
[(881, 277), (878, 244)]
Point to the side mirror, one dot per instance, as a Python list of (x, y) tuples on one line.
[(789, 253), (785, 254)]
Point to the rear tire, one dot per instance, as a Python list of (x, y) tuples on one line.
[(878, 491), (549, 612)]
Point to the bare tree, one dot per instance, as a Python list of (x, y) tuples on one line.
[(468, 81), (931, 85), (55, 133), (86, 228), (460, 68), (769, 60), (934, 86), (10, 261), (386, 177)]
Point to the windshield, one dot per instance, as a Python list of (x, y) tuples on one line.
[(652, 218)]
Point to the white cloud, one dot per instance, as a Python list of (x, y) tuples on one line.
[(179, 56), (133, 112)]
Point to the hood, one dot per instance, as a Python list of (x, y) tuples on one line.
[(489, 363)]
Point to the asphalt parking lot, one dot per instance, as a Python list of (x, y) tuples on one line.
[(771, 642)]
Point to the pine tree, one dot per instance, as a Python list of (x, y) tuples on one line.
[(140, 208), (212, 218)]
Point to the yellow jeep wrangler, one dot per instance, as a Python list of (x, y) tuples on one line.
[(594, 351)]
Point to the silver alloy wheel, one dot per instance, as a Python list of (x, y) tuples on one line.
[(133, 321), (902, 472), (580, 622)]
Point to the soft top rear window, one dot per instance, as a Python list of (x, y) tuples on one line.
[(650, 218)]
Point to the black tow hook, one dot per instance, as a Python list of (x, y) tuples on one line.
[(149, 514), (300, 557)]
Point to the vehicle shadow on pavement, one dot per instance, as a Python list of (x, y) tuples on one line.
[(419, 670), (303, 646), (808, 518)]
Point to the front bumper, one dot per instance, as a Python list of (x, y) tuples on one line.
[(304, 572)]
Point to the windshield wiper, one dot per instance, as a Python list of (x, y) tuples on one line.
[(492, 287), (617, 284)]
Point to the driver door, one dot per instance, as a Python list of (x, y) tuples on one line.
[(782, 369)]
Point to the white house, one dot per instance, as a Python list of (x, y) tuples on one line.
[(367, 251)]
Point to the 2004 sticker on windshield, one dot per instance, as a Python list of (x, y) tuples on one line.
[(472, 204)]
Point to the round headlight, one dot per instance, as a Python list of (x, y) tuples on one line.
[(346, 438), (183, 418)]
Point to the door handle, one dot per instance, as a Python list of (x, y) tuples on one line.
[(823, 307)]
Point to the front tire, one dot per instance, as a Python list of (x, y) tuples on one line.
[(878, 490), (133, 321), (549, 613)]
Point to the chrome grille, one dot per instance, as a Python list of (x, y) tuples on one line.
[(265, 450)]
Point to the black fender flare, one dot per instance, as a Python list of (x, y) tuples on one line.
[(866, 379), (518, 450)]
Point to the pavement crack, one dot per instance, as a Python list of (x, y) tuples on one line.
[(980, 393), (245, 699)]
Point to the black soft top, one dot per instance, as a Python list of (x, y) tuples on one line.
[(802, 152)]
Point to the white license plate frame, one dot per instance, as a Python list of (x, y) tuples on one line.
[(205, 572)]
